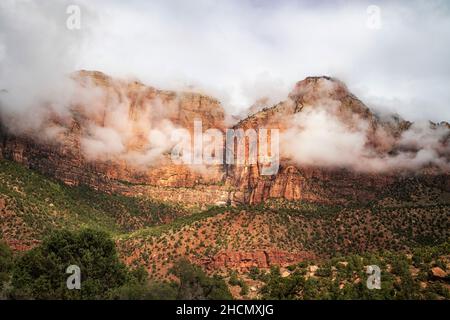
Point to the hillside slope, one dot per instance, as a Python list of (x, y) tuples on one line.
[(249, 241), (32, 205), (280, 231)]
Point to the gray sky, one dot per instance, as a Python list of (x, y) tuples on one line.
[(237, 51)]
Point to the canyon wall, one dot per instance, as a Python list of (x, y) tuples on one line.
[(144, 108)]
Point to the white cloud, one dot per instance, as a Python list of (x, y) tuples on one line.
[(238, 51), (229, 48), (321, 136)]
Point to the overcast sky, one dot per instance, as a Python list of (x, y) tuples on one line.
[(237, 51)]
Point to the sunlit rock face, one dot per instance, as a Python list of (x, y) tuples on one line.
[(334, 149), (116, 131), (115, 136)]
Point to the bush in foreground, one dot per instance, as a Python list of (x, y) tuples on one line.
[(41, 273)]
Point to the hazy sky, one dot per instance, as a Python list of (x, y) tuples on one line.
[(237, 51)]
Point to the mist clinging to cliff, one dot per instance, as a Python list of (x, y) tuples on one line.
[(329, 132), (236, 51)]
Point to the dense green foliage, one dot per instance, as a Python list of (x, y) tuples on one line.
[(402, 278), (138, 287), (196, 285), (6, 264), (40, 273)]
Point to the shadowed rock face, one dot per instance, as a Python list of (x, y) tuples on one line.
[(143, 108)]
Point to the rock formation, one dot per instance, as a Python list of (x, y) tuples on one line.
[(262, 259), (141, 114)]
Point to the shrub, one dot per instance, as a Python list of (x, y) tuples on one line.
[(194, 284), (6, 264), (40, 273)]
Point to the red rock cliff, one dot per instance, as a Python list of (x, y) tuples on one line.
[(141, 114)]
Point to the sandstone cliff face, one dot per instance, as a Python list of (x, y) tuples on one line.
[(321, 183), (119, 104), (142, 116)]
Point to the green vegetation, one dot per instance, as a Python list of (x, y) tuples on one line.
[(176, 224), (159, 236), (6, 265), (45, 204), (40, 273), (330, 229), (196, 285), (235, 281), (402, 278)]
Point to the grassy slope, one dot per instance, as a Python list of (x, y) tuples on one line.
[(34, 204)]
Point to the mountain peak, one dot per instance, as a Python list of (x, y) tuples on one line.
[(313, 88)]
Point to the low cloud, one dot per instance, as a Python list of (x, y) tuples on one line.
[(240, 52), (322, 135)]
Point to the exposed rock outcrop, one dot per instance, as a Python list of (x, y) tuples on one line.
[(321, 183), (134, 110), (144, 108), (263, 259), (438, 273)]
